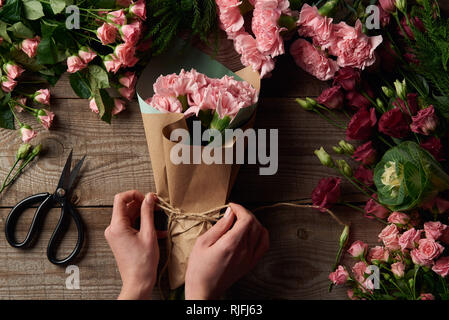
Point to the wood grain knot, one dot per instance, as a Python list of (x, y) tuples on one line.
[(302, 234)]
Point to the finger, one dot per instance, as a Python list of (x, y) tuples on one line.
[(219, 229), (243, 222), (147, 215), (126, 206)]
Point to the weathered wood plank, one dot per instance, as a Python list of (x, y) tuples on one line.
[(118, 159), (303, 246)]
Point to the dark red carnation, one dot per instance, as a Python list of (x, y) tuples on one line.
[(327, 192), (348, 78), (365, 154), (361, 125), (364, 175), (394, 123), (435, 148), (412, 99), (331, 98)]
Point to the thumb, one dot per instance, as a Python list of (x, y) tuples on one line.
[(147, 214), (219, 229)]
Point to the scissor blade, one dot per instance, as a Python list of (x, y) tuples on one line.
[(65, 176), (75, 173)]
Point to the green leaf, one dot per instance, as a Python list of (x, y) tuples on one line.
[(6, 115), (4, 32), (98, 77), (33, 9), (20, 30), (12, 11), (57, 5), (29, 63), (47, 53), (80, 85), (105, 104), (105, 4)]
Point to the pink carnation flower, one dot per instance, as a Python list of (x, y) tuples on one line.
[(313, 25), (165, 103), (312, 60), (246, 46), (231, 19)]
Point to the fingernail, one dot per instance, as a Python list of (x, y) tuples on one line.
[(227, 212)]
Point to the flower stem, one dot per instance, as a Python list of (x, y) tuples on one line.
[(9, 174)]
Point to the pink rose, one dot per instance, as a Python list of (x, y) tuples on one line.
[(8, 84), (372, 208), (388, 5), (312, 60), (128, 79), (398, 218), (266, 30), (139, 9), (27, 133), (352, 47), (20, 103), (362, 124), (13, 70), (410, 239), (131, 32), (127, 93), (398, 269), (339, 276), (426, 296), (125, 52), (42, 96), (29, 46), (117, 17), (75, 64), (112, 63), (93, 106), (359, 271), (86, 54), (358, 249), (332, 98), (119, 106), (348, 78), (434, 230), (425, 122), (246, 46), (46, 118), (165, 103), (365, 153), (429, 249), (390, 237), (441, 267), (378, 253), (107, 33), (327, 192), (364, 175)]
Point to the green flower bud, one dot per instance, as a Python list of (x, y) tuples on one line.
[(388, 92), (36, 150), (328, 8), (380, 103), (304, 104), (401, 5), (410, 282), (312, 101), (401, 89), (344, 167), (344, 236), (324, 157), (338, 150), (23, 151), (347, 147), (387, 276)]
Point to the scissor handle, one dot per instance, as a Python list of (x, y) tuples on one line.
[(66, 211), (46, 202)]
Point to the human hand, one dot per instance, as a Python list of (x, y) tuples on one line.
[(223, 254), (136, 251)]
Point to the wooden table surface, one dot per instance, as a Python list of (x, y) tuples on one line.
[(303, 241)]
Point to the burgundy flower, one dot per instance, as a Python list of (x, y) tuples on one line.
[(348, 78), (372, 208), (412, 99), (384, 17), (434, 146), (425, 122), (332, 98), (361, 125), (411, 58), (327, 192), (394, 123), (387, 55), (356, 100), (417, 23), (365, 154), (364, 175)]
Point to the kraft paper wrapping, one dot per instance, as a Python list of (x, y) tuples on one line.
[(189, 187)]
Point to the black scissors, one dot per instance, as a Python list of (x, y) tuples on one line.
[(47, 201)]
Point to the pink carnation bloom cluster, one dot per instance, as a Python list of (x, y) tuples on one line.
[(226, 96), (349, 45), (403, 248), (257, 51)]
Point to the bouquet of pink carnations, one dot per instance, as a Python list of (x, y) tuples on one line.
[(187, 105)]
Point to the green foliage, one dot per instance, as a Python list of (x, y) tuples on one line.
[(420, 176), (170, 17)]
